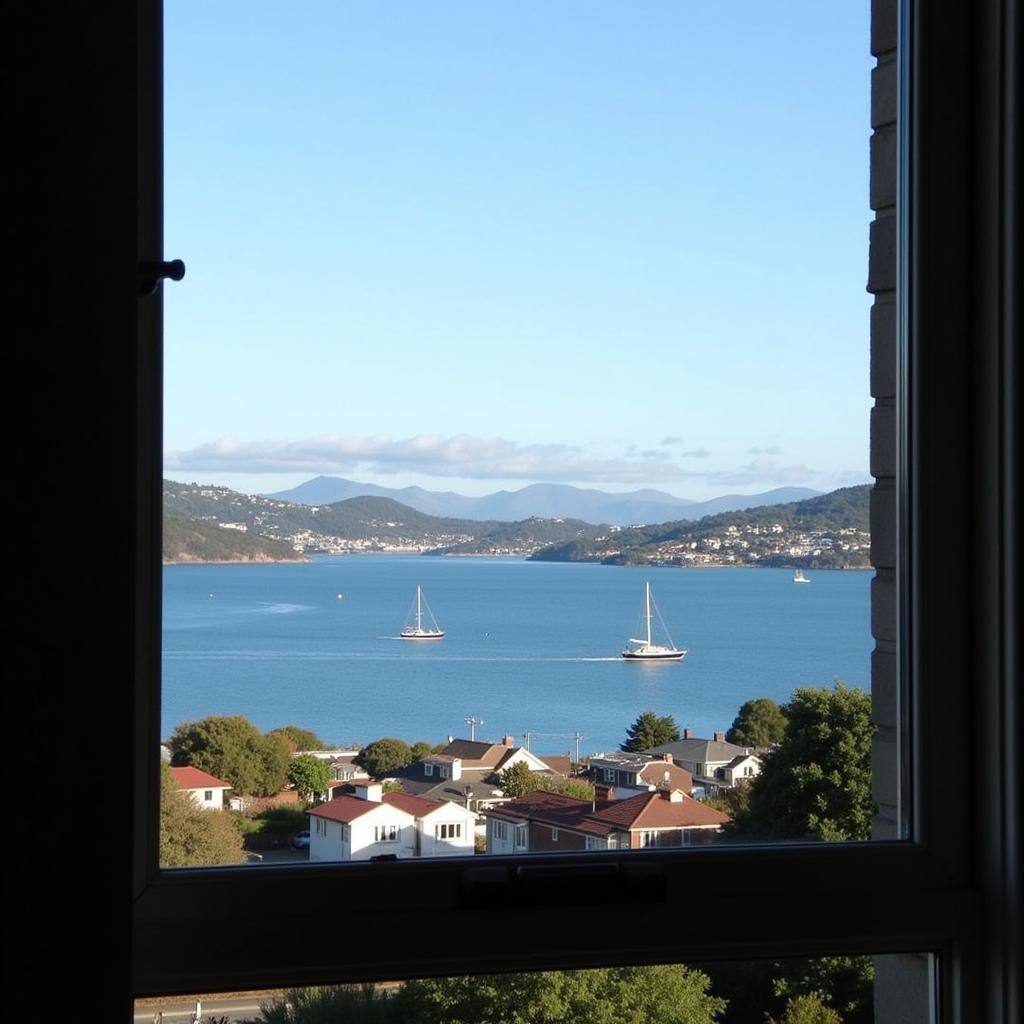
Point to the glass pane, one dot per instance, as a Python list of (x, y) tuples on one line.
[(825, 990), (516, 408)]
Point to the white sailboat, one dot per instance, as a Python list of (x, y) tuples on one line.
[(799, 577), (415, 628), (645, 649)]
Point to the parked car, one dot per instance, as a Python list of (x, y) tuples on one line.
[(300, 841)]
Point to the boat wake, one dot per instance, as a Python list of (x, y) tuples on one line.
[(357, 656)]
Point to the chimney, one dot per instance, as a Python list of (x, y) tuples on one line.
[(719, 737), (372, 791), (508, 741), (456, 769), (687, 734), (602, 792), (673, 796)]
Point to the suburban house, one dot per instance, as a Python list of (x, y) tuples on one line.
[(714, 764), (543, 822), (638, 772), (466, 772), (207, 790), (373, 824)]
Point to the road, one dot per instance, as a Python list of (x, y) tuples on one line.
[(236, 1007)]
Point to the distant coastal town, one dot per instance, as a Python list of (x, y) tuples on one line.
[(215, 524)]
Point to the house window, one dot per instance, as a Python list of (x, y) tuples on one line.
[(522, 834), (443, 771), (345, 834), (554, 835), (449, 831), (208, 795), (386, 833), (428, 769), (595, 843), (499, 829), (321, 826)]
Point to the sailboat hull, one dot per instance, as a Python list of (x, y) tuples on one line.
[(421, 634), (641, 655)]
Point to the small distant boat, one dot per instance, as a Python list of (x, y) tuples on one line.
[(645, 649), (799, 577), (415, 628)]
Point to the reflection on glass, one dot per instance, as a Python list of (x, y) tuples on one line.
[(536, 311)]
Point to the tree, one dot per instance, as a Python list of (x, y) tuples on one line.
[(384, 756), (299, 739), (232, 748), (760, 723), (191, 836), (650, 730), (517, 780), (809, 1009), (817, 784), (845, 984), (309, 775), (661, 994), (421, 748)]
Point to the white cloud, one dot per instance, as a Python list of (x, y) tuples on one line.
[(461, 455), (773, 450), (671, 439), (481, 458)]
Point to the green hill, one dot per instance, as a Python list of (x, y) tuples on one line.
[(195, 540), (828, 531)]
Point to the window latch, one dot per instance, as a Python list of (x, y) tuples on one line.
[(152, 272)]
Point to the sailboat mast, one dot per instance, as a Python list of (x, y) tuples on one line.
[(647, 593), (419, 613)]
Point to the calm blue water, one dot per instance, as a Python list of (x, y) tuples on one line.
[(529, 645)]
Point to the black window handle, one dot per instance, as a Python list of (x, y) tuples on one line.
[(152, 272)]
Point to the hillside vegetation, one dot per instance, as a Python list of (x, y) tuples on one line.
[(194, 540), (828, 531)]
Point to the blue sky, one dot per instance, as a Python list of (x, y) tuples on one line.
[(480, 245)]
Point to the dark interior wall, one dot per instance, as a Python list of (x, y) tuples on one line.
[(71, 331)]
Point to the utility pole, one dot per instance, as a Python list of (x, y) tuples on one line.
[(473, 723), (577, 736)]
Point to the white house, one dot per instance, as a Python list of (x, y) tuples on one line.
[(207, 790), (715, 764), (377, 824)]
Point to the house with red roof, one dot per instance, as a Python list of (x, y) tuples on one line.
[(371, 824), (205, 789), (543, 822)]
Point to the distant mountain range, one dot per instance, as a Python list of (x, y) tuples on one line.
[(545, 501)]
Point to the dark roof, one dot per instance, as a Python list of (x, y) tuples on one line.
[(701, 750), (447, 789)]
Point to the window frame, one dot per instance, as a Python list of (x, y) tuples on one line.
[(946, 889)]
